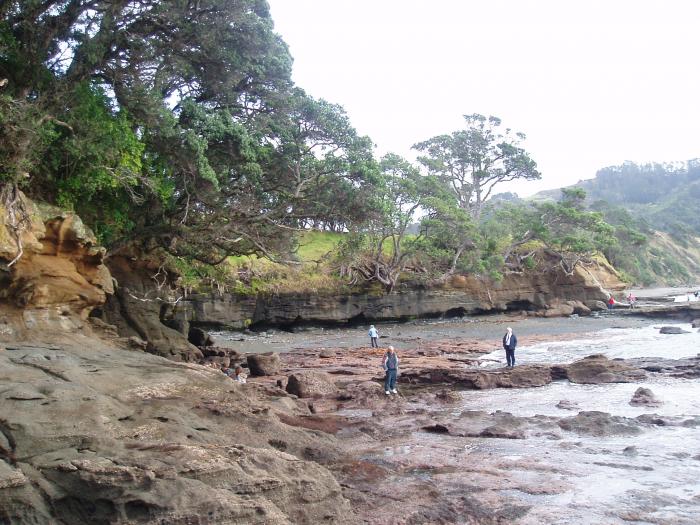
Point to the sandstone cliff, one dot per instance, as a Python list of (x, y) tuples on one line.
[(59, 278)]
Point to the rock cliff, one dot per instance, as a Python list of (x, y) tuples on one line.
[(141, 300), (59, 277), (546, 292)]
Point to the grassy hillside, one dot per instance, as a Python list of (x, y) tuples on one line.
[(310, 270)]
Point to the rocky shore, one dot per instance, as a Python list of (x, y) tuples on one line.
[(115, 410), (93, 430), (421, 457)]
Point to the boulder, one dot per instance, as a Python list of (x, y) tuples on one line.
[(645, 397), (579, 307), (518, 377), (326, 353), (597, 368), (310, 383), (365, 394), (267, 364), (199, 337), (596, 305), (672, 330), (559, 310), (600, 424), (696, 323), (630, 450), (565, 404), (502, 432)]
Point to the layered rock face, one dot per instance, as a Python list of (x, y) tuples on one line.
[(549, 292), (93, 433), (59, 278)]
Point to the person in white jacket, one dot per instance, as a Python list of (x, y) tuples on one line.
[(373, 336)]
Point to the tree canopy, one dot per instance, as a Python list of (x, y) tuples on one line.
[(473, 161), (176, 124), (177, 120)]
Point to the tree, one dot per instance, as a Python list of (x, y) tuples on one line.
[(308, 164), (381, 249), (567, 231), (473, 161), (448, 229), (179, 119)]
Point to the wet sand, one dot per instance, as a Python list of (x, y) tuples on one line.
[(486, 329)]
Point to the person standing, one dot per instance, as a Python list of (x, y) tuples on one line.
[(509, 344), (373, 336), (390, 364)]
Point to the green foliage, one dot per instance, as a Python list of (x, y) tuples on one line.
[(473, 161), (177, 124), (93, 166), (653, 211)]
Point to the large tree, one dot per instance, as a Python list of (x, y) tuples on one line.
[(473, 161), (568, 232), (175, 120), (381, 248)]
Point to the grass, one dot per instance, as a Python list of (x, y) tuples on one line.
[(252, 274), (314, 245)]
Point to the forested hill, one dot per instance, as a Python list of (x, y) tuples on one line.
[(656, 205)]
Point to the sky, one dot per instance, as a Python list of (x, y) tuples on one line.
[(591, 83)]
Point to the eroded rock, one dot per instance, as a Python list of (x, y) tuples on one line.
[(645, 397), (518, 377), (267, 364), (112, 436), (59, 278), (597, 368), (310, 383), (672, 330), (594, 423), (199, 337)]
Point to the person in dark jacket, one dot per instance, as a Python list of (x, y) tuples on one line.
[(390, 364), (509, 344)]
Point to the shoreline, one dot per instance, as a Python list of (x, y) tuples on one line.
[(403, 335), (433, 454)]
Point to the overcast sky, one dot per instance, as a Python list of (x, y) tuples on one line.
[(591, 83)]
